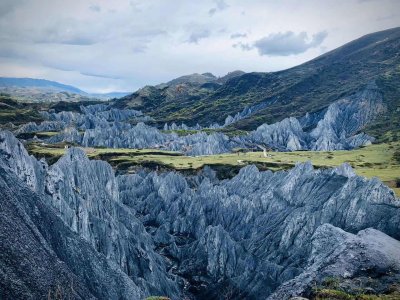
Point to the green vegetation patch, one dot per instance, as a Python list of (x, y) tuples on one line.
[(332, 294), (378, 160)]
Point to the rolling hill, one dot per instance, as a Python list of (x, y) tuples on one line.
[(42, 90), (273, 96), (38, 83)]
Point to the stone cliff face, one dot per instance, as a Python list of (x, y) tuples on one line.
[(41, 258), (26, 167), (257, 235)]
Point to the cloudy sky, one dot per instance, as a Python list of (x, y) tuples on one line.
[(121, 45)]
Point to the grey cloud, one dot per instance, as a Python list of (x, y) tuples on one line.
[(95, 8), (135, 6), (100, 75), (198, 35), (387, 17), (139, 48), (68, 32), (243, 46), (238, 35), (212, 11), (72, 40), (288, 43), (220, 6), (8, 6), (143, 33)]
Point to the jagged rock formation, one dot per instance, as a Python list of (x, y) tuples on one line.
[(333, 255), (110, 232), (253, 232), (183, 126), (202, 144), (69, 135), (229, 120), (344, 118), (121, 135), (41, 258), (284, 135), (257, 235), (44, 126), (92, 116), (334, 128)]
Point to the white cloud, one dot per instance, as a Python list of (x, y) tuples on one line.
[(196, 36), (238, 35), (288, 43), (220, 5), (99, 45)]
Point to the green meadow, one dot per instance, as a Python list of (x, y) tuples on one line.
[(378, 160)]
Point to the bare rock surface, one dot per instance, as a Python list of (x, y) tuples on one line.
[(259, 235)]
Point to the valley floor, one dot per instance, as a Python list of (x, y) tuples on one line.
[(378, 160)]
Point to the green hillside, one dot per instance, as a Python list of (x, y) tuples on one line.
[(309, 87)]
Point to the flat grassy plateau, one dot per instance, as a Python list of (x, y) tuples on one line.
[(379, 160)]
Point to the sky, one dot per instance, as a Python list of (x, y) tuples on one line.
[(122, 45)]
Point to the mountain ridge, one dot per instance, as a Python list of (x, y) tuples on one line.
[(306, 88), (42, 90), (38, 82)]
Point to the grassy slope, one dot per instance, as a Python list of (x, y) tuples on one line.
[(381, 160), (294, 92), (17, 112), (331, 294), (387, 127)]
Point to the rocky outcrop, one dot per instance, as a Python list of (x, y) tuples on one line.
[(92, 116), (335, 128), (284, 135), (123, 135), (120, 135), (111, 114), (44, 126), (27, 168), (254, 232), (257, 235), (41, 258), (345, 118), (183, 126), (338, 254), (69, 135), (85, 196), (202, 144), (66, 117)]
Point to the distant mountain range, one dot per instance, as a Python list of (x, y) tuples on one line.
[(255, 98), (41, 90), (38, 83)]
